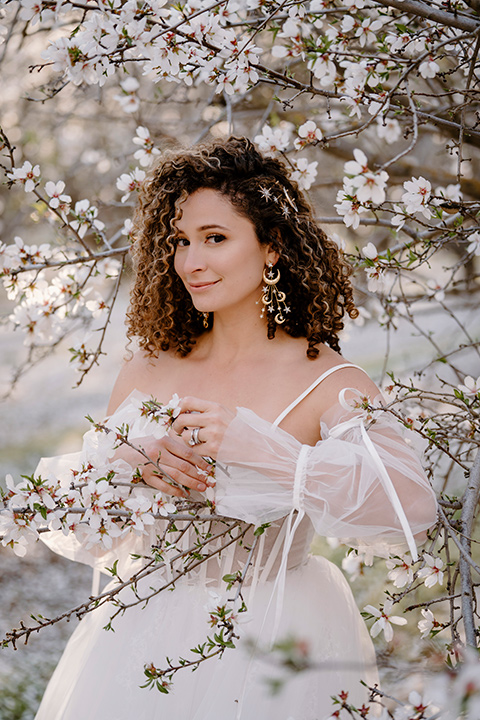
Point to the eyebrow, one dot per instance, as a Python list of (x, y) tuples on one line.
[(210, 227)]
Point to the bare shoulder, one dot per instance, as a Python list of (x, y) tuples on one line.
[(135, 374), (349, 376)]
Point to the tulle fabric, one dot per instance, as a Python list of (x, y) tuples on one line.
[(263, 472), (263, 475), (100, 672)]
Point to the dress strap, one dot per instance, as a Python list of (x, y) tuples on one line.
[(312, 387)]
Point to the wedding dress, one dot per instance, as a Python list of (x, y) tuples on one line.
[(364, 486)]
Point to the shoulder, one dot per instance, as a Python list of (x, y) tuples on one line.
[(135, 374), (340, 373)]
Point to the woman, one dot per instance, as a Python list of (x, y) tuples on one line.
[(237, 304)]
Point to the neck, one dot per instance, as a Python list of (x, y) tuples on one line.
[(236, 335)]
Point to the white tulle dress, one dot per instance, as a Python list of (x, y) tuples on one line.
[(364, 486)]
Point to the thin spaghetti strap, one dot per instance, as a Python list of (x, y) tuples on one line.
[(312, 387)]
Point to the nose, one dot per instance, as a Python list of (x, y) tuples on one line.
[(194, 259)]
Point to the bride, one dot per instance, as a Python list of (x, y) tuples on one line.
[(237, 304)]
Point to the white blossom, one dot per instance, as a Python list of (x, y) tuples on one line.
[(147, 149), (349, 208), (307, 133), (85, 218), (273, 140), (471, 386), (385, 620), (130, 182), (474, 243), (28, 174), (370, 251), (429, 68), (128, 98), (428, 623), (432, 573), (305, 173), (400, 571), (388, 129), (417, 195), (54, 192)]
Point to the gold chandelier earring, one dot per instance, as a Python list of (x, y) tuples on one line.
[(273, 299), (206, 316)]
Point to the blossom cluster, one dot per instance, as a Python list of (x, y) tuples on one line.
[(97, 497)]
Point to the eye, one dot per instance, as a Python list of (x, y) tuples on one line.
[(181, 242), (215, 238)]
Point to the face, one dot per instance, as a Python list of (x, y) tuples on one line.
[(218, 256)]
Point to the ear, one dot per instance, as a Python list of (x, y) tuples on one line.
[(273, 255)]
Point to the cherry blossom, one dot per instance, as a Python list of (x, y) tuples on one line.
[(471, 386), (385, 620), (28, 174), (432, 573)]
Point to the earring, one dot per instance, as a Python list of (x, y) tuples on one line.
[(273, 299), (206, 315)]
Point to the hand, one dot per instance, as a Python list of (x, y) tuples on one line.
[(210, 418), (178, 460)]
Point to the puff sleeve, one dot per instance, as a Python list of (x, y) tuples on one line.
[(365, 486)]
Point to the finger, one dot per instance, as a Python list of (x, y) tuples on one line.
[(182, 451), (190, 404), (188, 420)]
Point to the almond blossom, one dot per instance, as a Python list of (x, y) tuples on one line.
[(85, 218), (349, 208), (471, 386), (385, 619), (428, 623), (388, 129), (474, 243), (54, 192), (307, 133), (305, 173), (273, 140), (130, 182), (147, 149), (28, 175), (401, 571), (417, 195), (432, 572), (429, 68)]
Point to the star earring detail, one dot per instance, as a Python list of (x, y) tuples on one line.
[(273, 299)]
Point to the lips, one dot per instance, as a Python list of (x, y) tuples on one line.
[(202, 286)]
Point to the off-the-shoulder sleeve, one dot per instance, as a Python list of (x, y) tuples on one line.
[(365, 486)]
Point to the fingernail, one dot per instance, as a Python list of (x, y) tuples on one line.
[(201, 487)]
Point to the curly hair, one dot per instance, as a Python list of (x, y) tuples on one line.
[(314, 273)]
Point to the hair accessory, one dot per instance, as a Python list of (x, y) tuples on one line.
[(268, 194), (194, 437), (273, 299), (206, 315)]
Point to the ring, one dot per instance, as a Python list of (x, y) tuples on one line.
[(194, 438)]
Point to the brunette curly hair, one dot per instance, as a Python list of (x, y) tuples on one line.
[(314, 274)]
